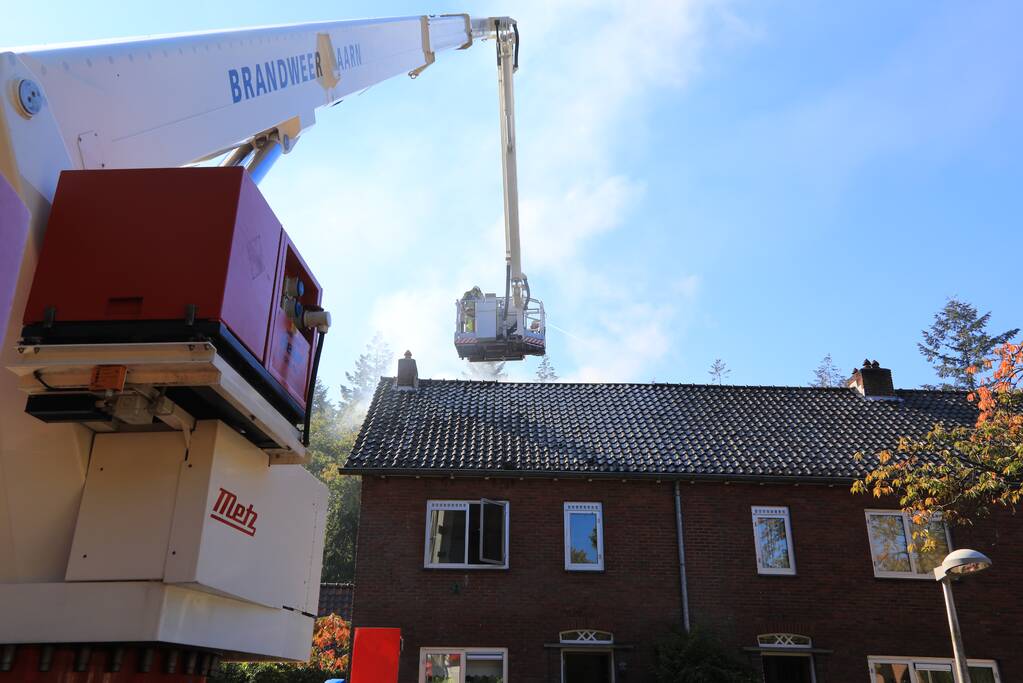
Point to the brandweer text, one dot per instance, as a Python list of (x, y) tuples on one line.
[(267, 77)]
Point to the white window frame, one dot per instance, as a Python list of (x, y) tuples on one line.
[(907, 530), (432, 505), (784, 640), (916, 664), (571, 508), (586, 636), (464, 652), (774, 512)]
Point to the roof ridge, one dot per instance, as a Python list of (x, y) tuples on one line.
[(666, 383)]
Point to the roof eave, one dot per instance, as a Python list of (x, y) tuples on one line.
[(568, 474)]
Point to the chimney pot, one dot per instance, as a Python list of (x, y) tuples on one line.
[(873, 382), (408, 374)]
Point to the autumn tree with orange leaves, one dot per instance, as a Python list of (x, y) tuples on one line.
[(331, 639), (328, 658), (962, 472)]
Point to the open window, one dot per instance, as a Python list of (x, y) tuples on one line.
[(466, 534), (928, 670), (894, 550)]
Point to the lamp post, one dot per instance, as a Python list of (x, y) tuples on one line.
[(959, 562)]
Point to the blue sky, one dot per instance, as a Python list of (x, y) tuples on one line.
[(764, 182)]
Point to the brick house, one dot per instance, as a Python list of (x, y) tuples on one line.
[(554, 532)]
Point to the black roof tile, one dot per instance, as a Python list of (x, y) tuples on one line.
[(682, 429), (336, 598)]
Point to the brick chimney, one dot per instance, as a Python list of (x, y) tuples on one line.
[(408, 374), (873, 382)]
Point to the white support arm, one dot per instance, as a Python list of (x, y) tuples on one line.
[(507, 57), (174, 100)]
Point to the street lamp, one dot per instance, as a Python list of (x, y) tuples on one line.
[(960, 562)]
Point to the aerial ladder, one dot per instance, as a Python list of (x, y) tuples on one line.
[(489, 327), (161, 333)]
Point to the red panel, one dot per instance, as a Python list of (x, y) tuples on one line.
[(13, 229), (375, 655), (144, 244), (131, 665), (289, 349), (252, 273)]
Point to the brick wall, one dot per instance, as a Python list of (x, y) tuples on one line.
[(835, 598), (636, 597)]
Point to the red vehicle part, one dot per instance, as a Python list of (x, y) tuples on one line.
[(146, 254), (289, 348), (375, 655), (107, 663)]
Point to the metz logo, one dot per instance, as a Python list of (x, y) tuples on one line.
[(229, 511)]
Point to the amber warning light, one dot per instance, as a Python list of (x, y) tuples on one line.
[(108, 378)]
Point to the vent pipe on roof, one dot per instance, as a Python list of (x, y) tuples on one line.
[(873, 382), (408, 374)]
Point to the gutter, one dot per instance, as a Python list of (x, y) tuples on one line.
[(681, 559), (451, 473)]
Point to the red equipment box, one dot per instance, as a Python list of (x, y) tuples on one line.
[(375, 655), (174, 255)]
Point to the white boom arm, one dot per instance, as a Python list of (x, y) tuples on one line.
[(507, 64), (174, 100)]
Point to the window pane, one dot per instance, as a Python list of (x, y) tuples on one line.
[(888, 543), (891, 673), (447, 536), (493, 533), (484, 669), (442, 668), (774, 545), (583, 537), (935, 676), (928, 560), (982, 674), (474, 533)]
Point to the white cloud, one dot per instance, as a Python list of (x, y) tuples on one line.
[(687, 286), (556, 225), (627, 335), (624, 344), (408, 319)]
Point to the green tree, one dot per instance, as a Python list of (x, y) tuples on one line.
[(545, 371), (333, 430), (698, 657), (331, 442), (378, 360), (827, 374), (957, 341), (719, 371)]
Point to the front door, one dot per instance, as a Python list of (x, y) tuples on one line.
[(586, 667), (787, 669)]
